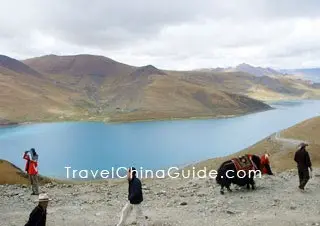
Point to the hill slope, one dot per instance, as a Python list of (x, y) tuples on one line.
[(11, 174), (165, 97), (262, 88), (87, 87), (77, 65), (282, 147), (7, 64), (246, 68), (312, 74), (29, 98)]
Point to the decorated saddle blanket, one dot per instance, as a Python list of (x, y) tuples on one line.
[(243, 163)]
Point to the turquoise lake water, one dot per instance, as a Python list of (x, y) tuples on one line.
[(151, 145)]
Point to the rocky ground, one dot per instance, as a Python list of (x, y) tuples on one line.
[(188, 202)]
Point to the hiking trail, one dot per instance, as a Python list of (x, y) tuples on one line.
[(288, 142)]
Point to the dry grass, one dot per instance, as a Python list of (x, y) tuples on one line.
[(11, 174), (281, 155), (31, 99), (171, 98)]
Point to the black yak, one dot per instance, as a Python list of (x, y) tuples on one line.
[(240, 171)]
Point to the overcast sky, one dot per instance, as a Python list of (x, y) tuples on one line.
[(170, 34)]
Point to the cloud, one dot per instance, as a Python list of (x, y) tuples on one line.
[(180, 34)]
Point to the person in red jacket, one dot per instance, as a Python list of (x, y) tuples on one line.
[(265, 164), (32, 169)]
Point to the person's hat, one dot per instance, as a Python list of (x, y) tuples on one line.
[(44, 198), (302, 145)]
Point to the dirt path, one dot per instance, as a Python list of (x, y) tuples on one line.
[(185, 202), (287, 141)]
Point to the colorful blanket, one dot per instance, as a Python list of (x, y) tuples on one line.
[(243, 163)]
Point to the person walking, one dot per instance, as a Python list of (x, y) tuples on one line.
[(303, 161), (135, 198), (32, 169), (38, 216)]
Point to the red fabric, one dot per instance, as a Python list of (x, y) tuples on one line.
[(31, 166), (264, 161), (246, 166)]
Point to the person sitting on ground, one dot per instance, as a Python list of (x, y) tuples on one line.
[(303, 161), (38, 216), (135, 198), (32, 169), (265, 164)]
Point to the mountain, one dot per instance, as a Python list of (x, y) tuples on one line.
[(147, 71), (246, 68), (7, 63), (312, 74), (257, 71), (263, 88), (89, 87), (78, 65), (169, 97), (28, 98)]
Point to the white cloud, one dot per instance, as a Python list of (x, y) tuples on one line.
[(169, 34)]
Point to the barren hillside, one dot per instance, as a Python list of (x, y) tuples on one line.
[(282, 146), (88, 87)]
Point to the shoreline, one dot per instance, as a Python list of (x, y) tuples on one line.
[(110, 122), (171, 119)]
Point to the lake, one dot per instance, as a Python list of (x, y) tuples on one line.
[(151, 145)]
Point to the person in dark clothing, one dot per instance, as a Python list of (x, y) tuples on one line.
[(135, 198), (303, 161), (38, 216), (135, 195)]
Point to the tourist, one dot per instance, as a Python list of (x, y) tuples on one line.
[(303, 161), (32, 169), (38, 216), (135, 199)]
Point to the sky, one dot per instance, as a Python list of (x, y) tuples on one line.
[(169, 34)]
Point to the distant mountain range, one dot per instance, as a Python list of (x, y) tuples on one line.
[(312, 74), (89, 87), (247, 68)]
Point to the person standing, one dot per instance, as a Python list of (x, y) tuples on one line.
[(135, 198), (38, 216), (32, 169), (303, 161)]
